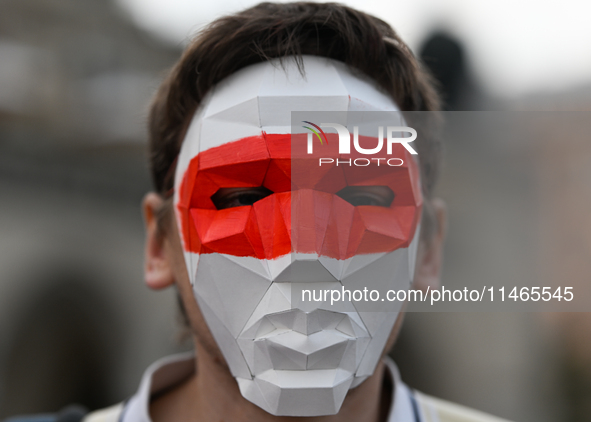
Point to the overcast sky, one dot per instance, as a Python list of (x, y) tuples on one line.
[(514, 47)]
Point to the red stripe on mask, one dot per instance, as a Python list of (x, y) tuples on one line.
[(304, 213)]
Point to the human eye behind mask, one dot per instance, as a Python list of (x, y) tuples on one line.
[(379, 196), (239, 197)]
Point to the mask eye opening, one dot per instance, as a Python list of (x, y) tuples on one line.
[(380, 196), (239, 197)]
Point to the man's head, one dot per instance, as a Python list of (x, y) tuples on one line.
[(268, 31), (254, 220)]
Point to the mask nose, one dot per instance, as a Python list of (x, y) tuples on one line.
[(300, 227), (310, 214), (303, 221), (299, 268)]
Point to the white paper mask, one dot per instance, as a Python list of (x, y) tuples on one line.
[(243, 260)]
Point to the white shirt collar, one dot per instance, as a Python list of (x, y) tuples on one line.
[(171, 370), (403, 408)]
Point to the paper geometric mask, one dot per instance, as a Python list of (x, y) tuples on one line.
[(303, 227)]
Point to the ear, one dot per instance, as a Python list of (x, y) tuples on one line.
[(157, 269), (430, 253)]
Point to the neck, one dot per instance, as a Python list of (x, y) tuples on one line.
[(212, 394)]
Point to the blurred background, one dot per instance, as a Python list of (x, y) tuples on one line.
[(78, 325)]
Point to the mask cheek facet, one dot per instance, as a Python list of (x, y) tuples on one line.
[(273, 225), (232, 231)]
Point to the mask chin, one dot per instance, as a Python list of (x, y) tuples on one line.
[(298, 359)]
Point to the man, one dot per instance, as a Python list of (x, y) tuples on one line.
[(249, 208)]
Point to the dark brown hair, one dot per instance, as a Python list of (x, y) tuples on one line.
[(271, 30)]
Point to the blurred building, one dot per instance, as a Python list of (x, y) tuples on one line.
[(76, 323), (563, 171), (518, 212)]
